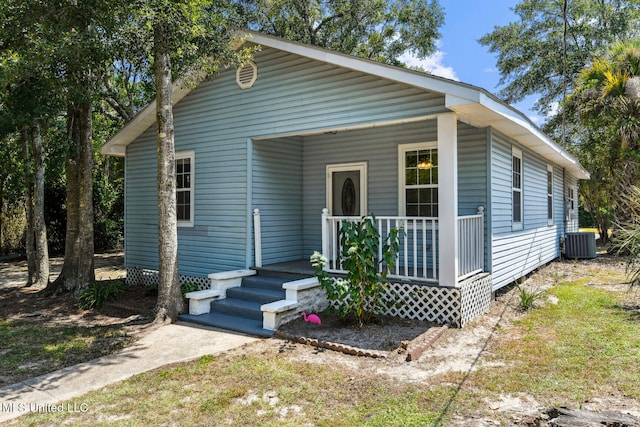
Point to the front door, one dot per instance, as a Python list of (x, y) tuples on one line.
[(347, 189)]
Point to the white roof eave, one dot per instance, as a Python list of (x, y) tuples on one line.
[(473, 104), (117, 145), (489, 112)]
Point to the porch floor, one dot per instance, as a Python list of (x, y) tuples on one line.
[(298, 267)]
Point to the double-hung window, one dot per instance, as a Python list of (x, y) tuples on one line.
[(418, 179), (570, 203), (185, 172), (516, 188)]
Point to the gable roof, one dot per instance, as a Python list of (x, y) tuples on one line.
[(473, 105)]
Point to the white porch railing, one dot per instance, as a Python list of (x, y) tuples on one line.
[(470, 244), (417, 257), (418, 254)]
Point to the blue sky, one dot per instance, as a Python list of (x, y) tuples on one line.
[(460, 56)]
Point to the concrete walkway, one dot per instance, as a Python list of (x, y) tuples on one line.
[(174, 343)]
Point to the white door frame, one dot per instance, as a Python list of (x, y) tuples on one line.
[(346, 167)]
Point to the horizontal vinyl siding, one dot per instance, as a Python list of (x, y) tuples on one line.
[(500, 185), (472, 169), (534, 193), (517, 253), (522, 252), (472, 176), (291, 95), (571, 224), (277, 192), (141, 231), (559, 200), (378, 148)]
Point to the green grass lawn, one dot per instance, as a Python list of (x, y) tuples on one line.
[(588, 344), (30, 349)]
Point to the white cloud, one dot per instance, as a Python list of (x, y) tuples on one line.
[(536, 119), (433, 64)]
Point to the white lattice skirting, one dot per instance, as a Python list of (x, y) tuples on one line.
[(139, 276), (454, 306)]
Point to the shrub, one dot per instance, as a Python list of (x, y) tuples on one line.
[(187, 287), (627, 234), (358, 295), (98, 294)]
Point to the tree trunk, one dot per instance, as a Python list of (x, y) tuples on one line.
[(39, 227), (169, 303), (2, 215), (28, 201), (77, 270)]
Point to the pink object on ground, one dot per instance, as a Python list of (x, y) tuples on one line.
[(311, 318)]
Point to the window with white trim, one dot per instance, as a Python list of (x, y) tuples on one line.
[(516, 188), (549, 195), (185, 172), (418, 179), (570, 203)]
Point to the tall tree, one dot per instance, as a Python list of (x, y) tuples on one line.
[(530, 50), (185, 35), (30, 93), (72, 39), (373, 29), (606, 105)]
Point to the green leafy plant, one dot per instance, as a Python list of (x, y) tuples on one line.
[(528, 297), (98, 294), (187, 287), (151, 289), (367, 265), (627, 235)]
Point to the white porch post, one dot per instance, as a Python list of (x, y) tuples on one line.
[(257, 235), (325, 237), (448, 199)]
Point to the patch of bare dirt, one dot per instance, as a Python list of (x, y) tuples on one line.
[(386, 333)]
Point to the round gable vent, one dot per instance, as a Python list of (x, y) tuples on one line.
[(247, 75)]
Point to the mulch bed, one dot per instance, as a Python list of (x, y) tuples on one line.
[(386, 335)]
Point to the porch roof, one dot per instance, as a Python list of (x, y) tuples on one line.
[(474, 105)]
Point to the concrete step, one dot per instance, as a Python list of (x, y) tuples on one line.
[(240, 310), (261, 295), (286, 276), (238, 307), (263, 282), (228, 322)]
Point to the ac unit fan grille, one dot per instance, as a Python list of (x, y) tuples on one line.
[(581, 245)]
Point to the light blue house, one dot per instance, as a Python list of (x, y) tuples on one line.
[(484, 197)]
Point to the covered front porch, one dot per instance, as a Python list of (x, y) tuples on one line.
[(414, 290), (297, 207)]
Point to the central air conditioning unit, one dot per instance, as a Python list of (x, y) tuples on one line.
[(581, 245)]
